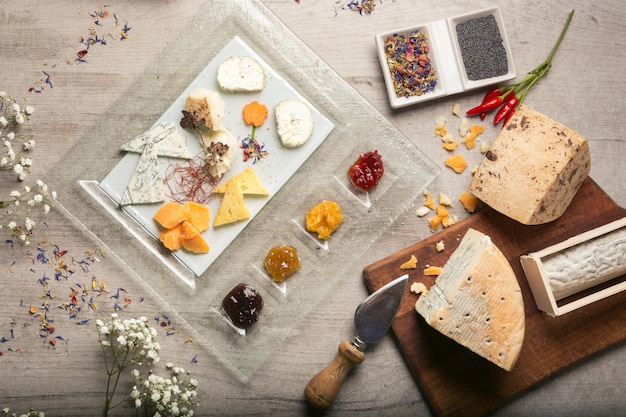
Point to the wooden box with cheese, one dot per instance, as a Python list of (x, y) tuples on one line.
[(578, 271)]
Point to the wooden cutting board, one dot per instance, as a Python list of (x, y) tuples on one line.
[(457, 382)]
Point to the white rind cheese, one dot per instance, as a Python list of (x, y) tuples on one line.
[(204, 107), (221, 149), (587, 264), (477, 302), (294, 122), (239, 74), (533, 169)]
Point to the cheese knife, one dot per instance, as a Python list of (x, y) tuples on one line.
[(372, 319)]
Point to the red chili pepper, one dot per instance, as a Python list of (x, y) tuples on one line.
[(508, 106), (490, 94), (486, 106), (508, 116)]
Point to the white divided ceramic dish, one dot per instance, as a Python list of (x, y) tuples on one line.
[(445, 57)]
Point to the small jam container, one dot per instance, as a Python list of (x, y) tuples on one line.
[(466, 52)]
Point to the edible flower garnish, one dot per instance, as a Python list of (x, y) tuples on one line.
[(509, 97), (254, 113)]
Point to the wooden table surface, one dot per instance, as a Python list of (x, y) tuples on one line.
[(584, 90)]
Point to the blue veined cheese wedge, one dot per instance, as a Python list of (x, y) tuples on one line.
[(241, 74), (477, 302), (533, 169)]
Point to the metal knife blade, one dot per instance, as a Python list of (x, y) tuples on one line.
[(372, 319), (373, 316)]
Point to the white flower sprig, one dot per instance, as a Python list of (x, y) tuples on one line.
[(159, 396), (125, 343), (15, 212), (14, 147), (31, 413)]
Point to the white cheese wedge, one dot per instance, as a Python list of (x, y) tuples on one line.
[(294, 122), (145, 185), (238, 74), (533, 169), (477, 302), (203, 108), (221, 149), (249, 183), (232, 208)]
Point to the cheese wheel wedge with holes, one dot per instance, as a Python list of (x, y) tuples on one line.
[(533, 169), (477, 302)]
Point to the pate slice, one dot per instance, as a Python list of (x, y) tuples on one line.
[(477, 302)]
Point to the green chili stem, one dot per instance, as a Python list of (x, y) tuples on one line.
[(542, 69)]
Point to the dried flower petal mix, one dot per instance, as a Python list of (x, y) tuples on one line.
[(411, 68)]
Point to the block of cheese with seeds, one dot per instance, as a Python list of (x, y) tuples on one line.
[(477, 302), (232, 208), (533, 169)]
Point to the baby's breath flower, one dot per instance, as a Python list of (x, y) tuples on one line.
[(18, 218), (173, 396), (13, 118)]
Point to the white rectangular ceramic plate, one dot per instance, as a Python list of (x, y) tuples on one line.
[(274, 170)]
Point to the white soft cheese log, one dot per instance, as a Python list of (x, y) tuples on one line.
[(477, 302), (533, 169)]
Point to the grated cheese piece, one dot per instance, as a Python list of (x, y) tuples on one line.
[(457, 163), (468, 201), (444, 200), (450, 146), (433, 270), (429, 202), (410, 264), (456, 109), (422, 211), (440, 246), (419, 288)]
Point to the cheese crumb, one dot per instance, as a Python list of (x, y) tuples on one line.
[(440, 246), (484, 146), (422, 211), (429, 202), (456, 109), (433, 270), (419, 288), (468, 201), (457, 163), (444, 200), (463, 127), (410, 264)]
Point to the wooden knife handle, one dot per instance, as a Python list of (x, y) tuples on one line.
[(323, 388)]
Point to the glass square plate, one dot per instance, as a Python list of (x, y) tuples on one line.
[(273, 170), (196, 299)]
